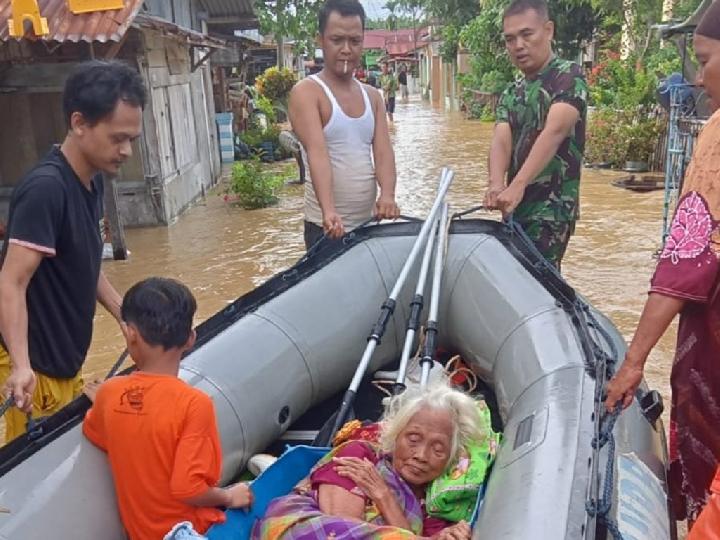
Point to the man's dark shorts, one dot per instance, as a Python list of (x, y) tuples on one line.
[(390, 105), (550, 237)]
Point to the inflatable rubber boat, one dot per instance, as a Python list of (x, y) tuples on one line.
[(565, 470)]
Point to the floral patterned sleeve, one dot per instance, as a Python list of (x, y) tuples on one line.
[(688, 266)]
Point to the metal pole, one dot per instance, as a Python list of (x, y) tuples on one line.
[(416, 307), (446, 178), (426, 361)]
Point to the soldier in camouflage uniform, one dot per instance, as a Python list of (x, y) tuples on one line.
[(539, 136)]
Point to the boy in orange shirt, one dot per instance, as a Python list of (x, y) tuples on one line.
[(159, 432)]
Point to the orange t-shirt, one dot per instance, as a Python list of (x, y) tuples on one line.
[(163, 445)]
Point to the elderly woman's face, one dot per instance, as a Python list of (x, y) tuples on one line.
[(423, 448)]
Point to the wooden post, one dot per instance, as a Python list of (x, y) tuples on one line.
[(117, 232)]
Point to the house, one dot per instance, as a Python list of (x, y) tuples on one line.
[(438, 79), (170, 42)]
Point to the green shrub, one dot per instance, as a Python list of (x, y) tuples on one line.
[(615, 136), (266, 107), (478, 111), (253, 186), (275, 84)]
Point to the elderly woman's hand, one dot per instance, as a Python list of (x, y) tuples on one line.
[(365, 475), (459, 531)]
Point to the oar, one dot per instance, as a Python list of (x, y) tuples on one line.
[(416, 307), (324, 438), (116, 366), (431, 328)]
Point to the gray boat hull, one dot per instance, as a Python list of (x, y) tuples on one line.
[(294, 342)]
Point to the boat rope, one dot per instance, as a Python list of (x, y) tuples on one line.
[(600, 365), (600, 507)]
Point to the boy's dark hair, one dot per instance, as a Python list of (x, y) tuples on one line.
[(521, 6), (95, 87), (162, 310), (346, 8)]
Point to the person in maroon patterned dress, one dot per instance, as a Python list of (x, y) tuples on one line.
[(686, 282)]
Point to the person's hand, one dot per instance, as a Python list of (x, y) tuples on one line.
[(21, 385), (365, 475), (241, 496), (333, 225), (91, 389), (509, 199), (459, 531), (623, 385), (386, 208), (491, 196)]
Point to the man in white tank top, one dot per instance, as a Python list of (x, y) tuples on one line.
[(343, 130)]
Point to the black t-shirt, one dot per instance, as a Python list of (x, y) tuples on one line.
[(51, 211), (402, 78)]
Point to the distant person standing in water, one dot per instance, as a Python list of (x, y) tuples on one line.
[(539, 139), (403, 81), (344, 133), (389, 86)]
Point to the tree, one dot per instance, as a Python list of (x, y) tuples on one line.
[(294, 19)]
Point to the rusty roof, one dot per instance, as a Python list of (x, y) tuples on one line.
[(99, 26)]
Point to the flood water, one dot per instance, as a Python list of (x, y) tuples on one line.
[(222, 251)]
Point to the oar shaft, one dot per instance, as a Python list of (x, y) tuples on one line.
[(388, 307), (440, 254), (431, 330), (445, 181), (416, 307)]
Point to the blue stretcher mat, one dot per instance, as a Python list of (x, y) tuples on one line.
[(275, 481)]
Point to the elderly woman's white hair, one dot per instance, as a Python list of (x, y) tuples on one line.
[(463, 409)]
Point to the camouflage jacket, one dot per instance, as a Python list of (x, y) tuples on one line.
[(554, 194)]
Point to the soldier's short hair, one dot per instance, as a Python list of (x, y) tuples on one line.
[(521, 6)]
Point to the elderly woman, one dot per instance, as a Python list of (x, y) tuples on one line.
[(686, 281), (365, 491)]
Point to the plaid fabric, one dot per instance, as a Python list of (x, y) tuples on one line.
[(298, 516)]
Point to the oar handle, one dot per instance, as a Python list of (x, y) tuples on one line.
[(116, 366), (340, 419)]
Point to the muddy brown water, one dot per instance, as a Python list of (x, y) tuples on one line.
[(222, 251)]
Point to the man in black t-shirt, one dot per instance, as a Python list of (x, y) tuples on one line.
[(51, 277)]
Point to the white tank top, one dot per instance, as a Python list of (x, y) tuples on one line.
[(349, 144)]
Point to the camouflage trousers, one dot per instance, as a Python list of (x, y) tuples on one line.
[(550, 237)]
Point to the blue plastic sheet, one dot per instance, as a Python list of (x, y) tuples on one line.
[(275, 481)]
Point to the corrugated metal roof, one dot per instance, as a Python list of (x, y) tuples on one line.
[(100, 26), (227, 8), (190, 36)]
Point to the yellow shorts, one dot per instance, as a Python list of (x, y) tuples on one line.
[(50, 396)]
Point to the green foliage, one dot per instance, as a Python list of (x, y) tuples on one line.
[(266, 107), (275, 84), (663, 61), (575, 22), (490, 67), (254, 186), (623, 84), (616, 136), (294, 19), (478, 111), (449, 45)]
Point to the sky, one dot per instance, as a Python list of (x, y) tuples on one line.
[(374, 8)]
